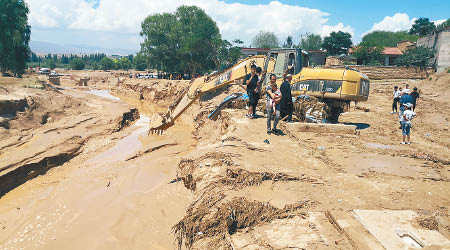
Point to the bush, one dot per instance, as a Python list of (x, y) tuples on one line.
[(77, 64), (418, 57)]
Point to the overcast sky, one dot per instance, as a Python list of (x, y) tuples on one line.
[(116, 23)]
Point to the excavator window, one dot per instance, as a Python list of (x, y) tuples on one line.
[(279, 65)]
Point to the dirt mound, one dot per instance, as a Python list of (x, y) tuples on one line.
[(215, 218), (205, 127)]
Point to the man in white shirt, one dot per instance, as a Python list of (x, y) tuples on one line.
[(407, 90), (397, 95), (405, 120)]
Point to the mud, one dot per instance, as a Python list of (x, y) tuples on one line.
[(209, 184)]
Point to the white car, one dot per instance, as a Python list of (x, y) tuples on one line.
[(44, 71)]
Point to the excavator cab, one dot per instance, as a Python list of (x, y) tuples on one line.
[(287, 61)]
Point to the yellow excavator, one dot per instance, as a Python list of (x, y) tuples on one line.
[(334, 89)]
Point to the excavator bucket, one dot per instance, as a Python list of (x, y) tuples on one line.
[(158, 124)]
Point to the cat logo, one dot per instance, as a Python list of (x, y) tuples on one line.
[(224, 78)]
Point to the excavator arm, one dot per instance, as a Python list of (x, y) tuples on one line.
[(202, 85)]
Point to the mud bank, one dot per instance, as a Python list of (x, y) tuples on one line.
[(161, 92), (46, 128)]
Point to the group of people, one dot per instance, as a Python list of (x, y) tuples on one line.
[(278, 100), (408, 101)]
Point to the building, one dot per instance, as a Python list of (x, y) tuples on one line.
[(246, 52), (390, 55), (440, 42)]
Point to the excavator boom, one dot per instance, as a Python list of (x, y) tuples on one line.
[(204, 84)]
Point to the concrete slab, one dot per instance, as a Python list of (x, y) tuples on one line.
[(399, 230), (353, 230), (322, 128)]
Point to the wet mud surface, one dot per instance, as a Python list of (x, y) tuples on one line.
[(208, 184)]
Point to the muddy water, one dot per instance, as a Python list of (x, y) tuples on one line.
[(103, 93)]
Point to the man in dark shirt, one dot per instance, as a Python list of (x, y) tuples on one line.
[(286, 99), (251, 81), (415, 95)]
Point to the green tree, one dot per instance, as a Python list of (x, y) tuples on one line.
[(418, 56), (50, 63), (265, 40), (337, 43), (95, 66), (200, 39), (422, 27), (185, 41), (443, 26), (107, 63), (139, 62), (228, 54), (125, 63), (386, 38), (369, 55), (311, 42), (14, 36), (288, 43), (77, 64)]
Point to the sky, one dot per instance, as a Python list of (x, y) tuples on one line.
[(116, 23)]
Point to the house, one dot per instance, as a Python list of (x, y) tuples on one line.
[(390, 55), (440, 42), (246, 52)]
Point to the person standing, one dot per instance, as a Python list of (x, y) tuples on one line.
[(404, 100), (406, 118), (273, 97), (396, 100), (415, 95), (251, 81), (286, 101), (407, 89)]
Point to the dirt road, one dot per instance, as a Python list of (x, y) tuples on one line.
[(216, 184)]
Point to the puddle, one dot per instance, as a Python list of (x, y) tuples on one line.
[(400, 166), (103, 93)]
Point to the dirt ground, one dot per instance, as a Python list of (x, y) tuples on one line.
[(78, 171)]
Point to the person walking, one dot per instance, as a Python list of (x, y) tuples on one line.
[(406, 118), (273, 97), (251, 81), (396, 95), (415, 95), (286, 101)]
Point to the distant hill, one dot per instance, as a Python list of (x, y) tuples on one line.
[(39, 47)]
